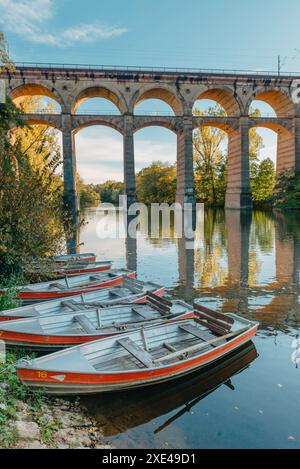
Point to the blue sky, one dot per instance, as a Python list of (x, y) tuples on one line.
[(217, 34)]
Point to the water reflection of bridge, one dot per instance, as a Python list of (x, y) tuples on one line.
[(240, 237)]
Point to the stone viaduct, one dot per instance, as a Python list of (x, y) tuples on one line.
[(126, 88)]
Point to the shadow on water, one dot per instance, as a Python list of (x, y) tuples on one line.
[(119, 412)]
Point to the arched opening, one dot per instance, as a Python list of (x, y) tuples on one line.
[(272, 147), (208, 108), (222, 101), (97, 106), (274, 102), (155, 151), (36, 99), (210, 148), (159, 99), (99, 157), (260, 108), (153, 107), (278, 142), (97, 100)]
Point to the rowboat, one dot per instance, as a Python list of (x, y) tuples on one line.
[(77, 326), (73, 285), (148, 356), (85, 257), (116, 413), (61, 270), (130, 292)]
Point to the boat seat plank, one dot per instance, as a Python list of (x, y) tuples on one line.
[(144, 314), (71, 305), (205, 336), (214, 314), (58, 286), (144, 357), (118, 294), (85, 323)]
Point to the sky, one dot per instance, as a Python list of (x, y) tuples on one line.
[(219, 34)]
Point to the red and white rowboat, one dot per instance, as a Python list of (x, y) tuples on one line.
[(85, 257), (145, 357), (130, 292), (61, 270), (74, 285), (80, 326)]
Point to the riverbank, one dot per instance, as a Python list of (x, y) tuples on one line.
[(29, 420)]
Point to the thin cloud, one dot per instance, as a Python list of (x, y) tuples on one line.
[(28, 18), (100, 155)]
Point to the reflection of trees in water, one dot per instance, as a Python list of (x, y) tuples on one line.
[(149, 225), (262, 231), (208, 258), (262, 238)]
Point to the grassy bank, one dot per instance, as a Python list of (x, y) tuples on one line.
[(30, 420)]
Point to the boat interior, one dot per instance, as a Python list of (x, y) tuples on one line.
[(115, 319), (75, 281), (150, 347)]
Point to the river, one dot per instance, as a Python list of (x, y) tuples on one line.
[(242, 262)]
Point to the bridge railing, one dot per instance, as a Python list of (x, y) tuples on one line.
[(145, 113), (133, 68)]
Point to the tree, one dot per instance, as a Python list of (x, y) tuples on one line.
[(287, 191), (157, 183), (210, 160), (110, 191), (31, 214), (263, 182), (38, 142), (5, 62), (89, 196)]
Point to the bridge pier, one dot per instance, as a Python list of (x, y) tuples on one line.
[(185, 163), (297, 145), (129, 164), (238, 194), (71, 200)]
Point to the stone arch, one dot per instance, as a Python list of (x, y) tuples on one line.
[(277, 127), (93, 122), (162, 92), (40, 120), (223, 96), (98, 92), (221, 124), (286, 145), (279, 100), (142, 123), (35, 89)]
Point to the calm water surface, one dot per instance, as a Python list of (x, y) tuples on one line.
[(249, 264)]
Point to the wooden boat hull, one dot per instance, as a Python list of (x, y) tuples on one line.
[(52, 343), (85, 257), (85, 270), (58, 271), (37, 296), (116, 415), (56, 382), (51, 333), (36, 310)]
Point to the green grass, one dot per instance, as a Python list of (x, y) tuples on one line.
[(16, 391)]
